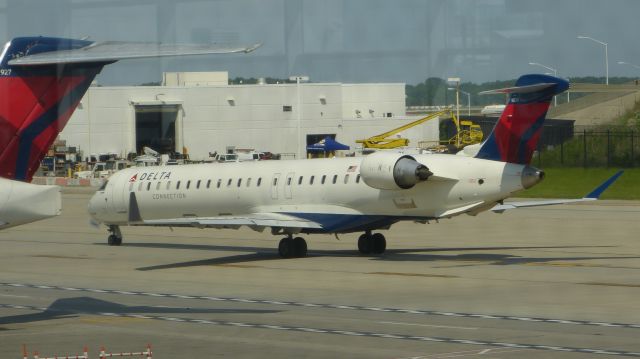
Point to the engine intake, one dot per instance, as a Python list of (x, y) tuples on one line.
[(389, 170)]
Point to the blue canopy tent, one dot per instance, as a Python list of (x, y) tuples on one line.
[(328, 144)]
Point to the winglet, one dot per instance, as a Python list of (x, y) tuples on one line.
[(595, 194), (134, 210)]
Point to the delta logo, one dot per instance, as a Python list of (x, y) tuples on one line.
[(151, 176)]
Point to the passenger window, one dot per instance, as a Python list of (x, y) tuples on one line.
[(259, 182), (311, 180), (130, 187), (219, 183), (140, 186), (335, 179), (168, 185), (289, 181), (239, 182), (324, 177), (157, 186), (358, 179), (178, 185), (104, 185), (229, 182), (208, 184), (346, 179), (188, 184), (275, 181), (148, 186), (198, 184), (248, 181), (300, 180)]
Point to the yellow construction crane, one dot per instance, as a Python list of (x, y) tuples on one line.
[(467, 133)]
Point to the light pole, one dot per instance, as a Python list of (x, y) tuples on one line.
[(606, 54), (555, 73), (456, 81), (299, 79), (468, 99), (628, 63)]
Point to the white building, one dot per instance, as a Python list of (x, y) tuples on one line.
[(210, 116)]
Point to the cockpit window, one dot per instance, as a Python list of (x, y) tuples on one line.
[(104, 185)]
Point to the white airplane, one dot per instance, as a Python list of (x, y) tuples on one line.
[(42, 80), (340, 195)]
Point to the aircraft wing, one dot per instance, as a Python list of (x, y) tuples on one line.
[(256, 221), (591, 196), (109, 51)]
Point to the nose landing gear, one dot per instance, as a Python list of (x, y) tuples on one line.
[(372, 243), (115, 236), (290, 247)]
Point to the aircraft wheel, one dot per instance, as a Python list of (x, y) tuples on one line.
[(365, 245), (114, 240), (299, 247), (285, 248), (379, 243)]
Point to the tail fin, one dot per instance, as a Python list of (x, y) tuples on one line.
[(37, 101), (516, 135)]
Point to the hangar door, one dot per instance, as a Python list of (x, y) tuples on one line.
[(156, 127)]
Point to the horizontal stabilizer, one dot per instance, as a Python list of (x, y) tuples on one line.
[(592, 196), (518, 89), (110, 51)]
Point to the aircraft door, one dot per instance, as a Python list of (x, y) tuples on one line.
[(274, 186), (287, 185), (119, 195)]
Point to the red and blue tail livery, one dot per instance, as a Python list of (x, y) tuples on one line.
[(42, 80), (37, 101), (515, 136)]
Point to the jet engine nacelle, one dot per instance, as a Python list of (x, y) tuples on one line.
[(392, 170)]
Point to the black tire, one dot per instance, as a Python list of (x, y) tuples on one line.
[(299, 247), (364, 244), (112, 240), (118, 241), (379, 243), (285, 249)]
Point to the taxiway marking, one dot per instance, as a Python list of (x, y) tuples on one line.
[(329, 306)]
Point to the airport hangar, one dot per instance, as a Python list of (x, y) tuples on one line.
[(203, 113)]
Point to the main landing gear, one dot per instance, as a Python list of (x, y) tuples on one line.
[(291, 247), (372, 243), (115, 236)]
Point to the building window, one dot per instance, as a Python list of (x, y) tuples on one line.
[(287, 108), (311, 180)]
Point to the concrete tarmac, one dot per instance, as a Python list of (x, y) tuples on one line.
[(549, 282)]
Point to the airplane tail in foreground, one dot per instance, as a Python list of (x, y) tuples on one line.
[(516, 134), (42, 80), (37, 101)]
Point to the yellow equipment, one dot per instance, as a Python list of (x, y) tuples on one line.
[(467, 133)]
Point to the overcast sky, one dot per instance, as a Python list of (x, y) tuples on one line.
[(351, 40)]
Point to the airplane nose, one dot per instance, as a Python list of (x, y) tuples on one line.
[(531, 176), (93, 206)]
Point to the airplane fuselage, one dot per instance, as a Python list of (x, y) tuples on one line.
[(331, 192)]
